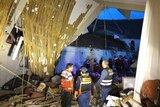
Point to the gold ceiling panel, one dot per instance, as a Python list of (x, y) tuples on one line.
[(5, 6), (47, 32)]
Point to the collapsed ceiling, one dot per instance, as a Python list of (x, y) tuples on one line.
[(48, 26)]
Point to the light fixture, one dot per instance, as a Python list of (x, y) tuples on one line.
[(15, 1), (36, 9), (59, 5), (55, 45), (32, 10)]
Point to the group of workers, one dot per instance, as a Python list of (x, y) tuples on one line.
[(83, 88)]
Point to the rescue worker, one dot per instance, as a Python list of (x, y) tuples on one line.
[(83, 88), (67, 86), (105, 81)]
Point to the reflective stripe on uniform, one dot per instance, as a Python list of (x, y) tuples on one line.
[(107, 80), (86, 79), (85, 82), (111, 73), (69, 88), (105, 84)]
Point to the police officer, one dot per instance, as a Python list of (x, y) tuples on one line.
[(83, 88), (67, 86), (105, 80)]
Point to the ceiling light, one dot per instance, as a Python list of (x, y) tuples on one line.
[(15, 1), (36, 9), (59, 5), (32, 10)]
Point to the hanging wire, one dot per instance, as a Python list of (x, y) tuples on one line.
[(105, 33), (23, 77), (121, 31), (94, 27), (96, 20), (115, 23)]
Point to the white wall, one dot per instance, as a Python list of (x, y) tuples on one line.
[(149, 54), (8, 63), (78, 55)]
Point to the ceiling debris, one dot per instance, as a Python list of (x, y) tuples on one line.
[(5, 6), (47, 32)]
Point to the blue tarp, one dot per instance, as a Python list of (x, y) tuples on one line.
[(114, 14)]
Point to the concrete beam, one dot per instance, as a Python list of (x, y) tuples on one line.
[(98, 1), (103, 4), (125, 13), (125, 6), (88, 21), (16, 14)]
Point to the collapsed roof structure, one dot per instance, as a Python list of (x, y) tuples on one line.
[(49, 26)]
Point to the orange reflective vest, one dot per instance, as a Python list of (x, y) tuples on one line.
[(66, 84)]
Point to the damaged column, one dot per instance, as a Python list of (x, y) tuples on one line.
[(149, 54)]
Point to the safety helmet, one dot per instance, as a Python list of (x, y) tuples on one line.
[(83, 70)]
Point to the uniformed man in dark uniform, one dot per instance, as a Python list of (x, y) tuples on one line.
[(105, 81), (83, 88)]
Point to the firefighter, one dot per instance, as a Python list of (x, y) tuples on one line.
[(67, 86), (83, 88), (105, 81)]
